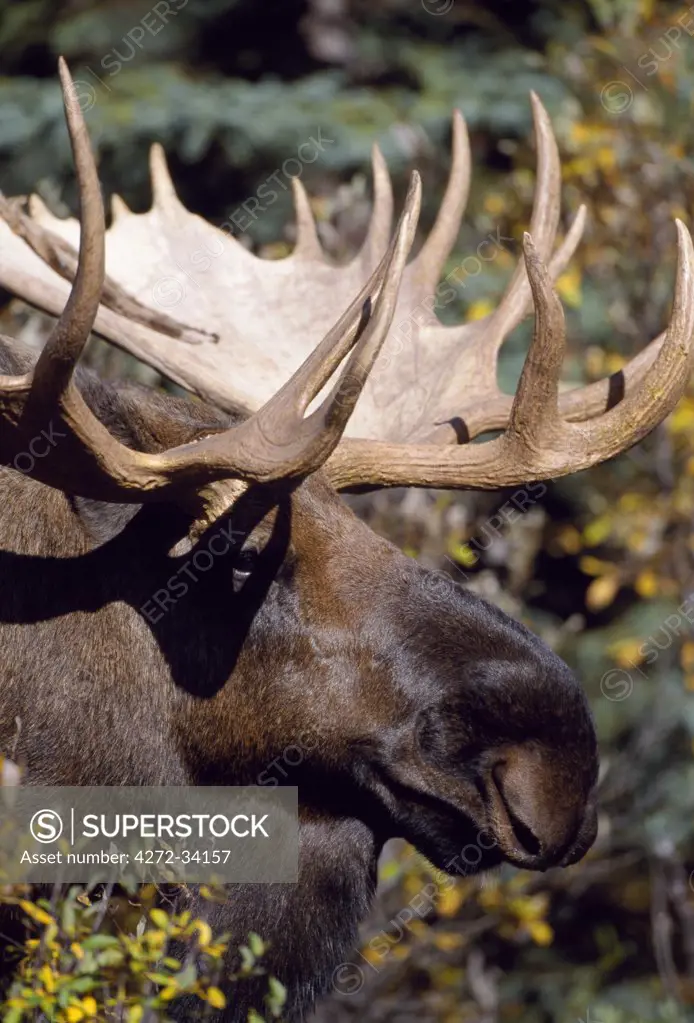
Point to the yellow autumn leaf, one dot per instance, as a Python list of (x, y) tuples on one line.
[(569, 539), (479, 309), (540, 931), (631, 502), (605, 158), (321, 207), (45, 976), (36, 913), (89, 1005), (687, 661), (451, 900), (463, 554), (647, 584), (412, 884), (451, 978), (216, 998), (491, 897), (579, 167), (529, 907), (155, 938), (494, 203), (275, 250), (569, 287), (159, 918), (614, 362), (597, 531), (580, 133), (682, 419), (594, 361), (602, 592), (595, 566), (626, 652), (135, 1014), (77, 950), (73, 1014), (371, 955), (401, 951), (204, 932), (449, 941)]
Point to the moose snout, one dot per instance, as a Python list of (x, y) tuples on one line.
[(541, 813)]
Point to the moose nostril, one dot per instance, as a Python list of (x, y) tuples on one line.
[(525, 836)]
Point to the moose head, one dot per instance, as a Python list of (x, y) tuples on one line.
[(436, 717)]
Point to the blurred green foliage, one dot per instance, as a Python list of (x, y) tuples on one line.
[(603, 566)]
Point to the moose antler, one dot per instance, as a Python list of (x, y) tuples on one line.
[(277, 442), (427, 382), (538, 443)]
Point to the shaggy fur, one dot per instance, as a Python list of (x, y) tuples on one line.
[(411, 693)]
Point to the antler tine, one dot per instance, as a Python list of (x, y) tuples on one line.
[(164, 195), (378, 232), (56, 364), (488, 407), (495, 413), (361, 361), (429, 262), (543, 222), (308, 245), (535, 403), (563, 255), (538, 443), (657, 394)]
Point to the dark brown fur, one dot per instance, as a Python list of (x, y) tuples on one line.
[(410, 692)]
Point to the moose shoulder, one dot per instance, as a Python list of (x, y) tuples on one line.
[(186, 596)]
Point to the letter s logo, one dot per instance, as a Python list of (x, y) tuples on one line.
[(46, 826)]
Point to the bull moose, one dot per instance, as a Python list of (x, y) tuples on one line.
[(434, 716)]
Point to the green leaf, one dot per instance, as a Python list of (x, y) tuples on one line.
[(276, 997), (97, 941), (257, 945)]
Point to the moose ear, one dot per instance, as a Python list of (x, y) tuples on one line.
[(103, 521), (146, 421)]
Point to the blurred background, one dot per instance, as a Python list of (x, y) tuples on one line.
[(602, 565)]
